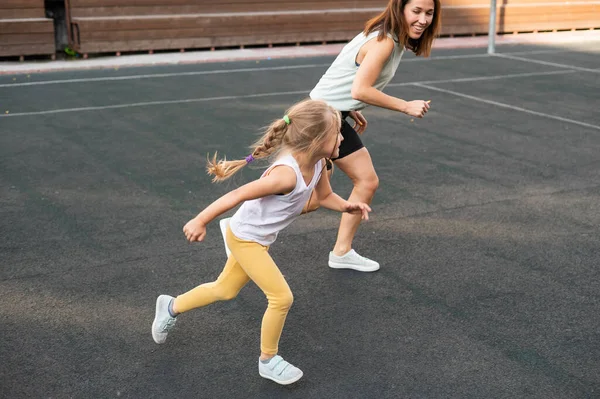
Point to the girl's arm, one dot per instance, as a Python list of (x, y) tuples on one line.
[(330, 200), (370, 68), (279, 180)]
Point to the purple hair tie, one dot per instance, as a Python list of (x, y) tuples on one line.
[(249, 158)]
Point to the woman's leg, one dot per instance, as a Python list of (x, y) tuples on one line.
[(359, 168)]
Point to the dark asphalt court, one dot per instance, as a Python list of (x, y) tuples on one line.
[(485, 225)]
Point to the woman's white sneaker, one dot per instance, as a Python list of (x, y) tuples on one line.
[(352, 260), (279, 370)]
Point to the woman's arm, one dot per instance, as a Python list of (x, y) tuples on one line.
[(377, 53), (279, 180)]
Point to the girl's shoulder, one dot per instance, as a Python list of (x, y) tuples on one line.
[(286, 160)]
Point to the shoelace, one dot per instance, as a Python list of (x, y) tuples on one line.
[(169, 324), (362, 258)]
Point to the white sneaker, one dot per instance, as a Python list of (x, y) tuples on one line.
[(279, 370), (224, 223), (163, 322), (352, 260)]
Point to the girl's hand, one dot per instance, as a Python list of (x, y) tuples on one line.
[(360, 123), (358, 207), (194, 230), (417, 108)]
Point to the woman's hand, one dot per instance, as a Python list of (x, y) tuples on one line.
[(360, 123), (417, 108), (194, 230), (358, 208)]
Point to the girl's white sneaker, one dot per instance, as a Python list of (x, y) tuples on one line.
[(279, 370), (163, 322)]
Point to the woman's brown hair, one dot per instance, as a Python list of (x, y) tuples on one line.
[(392, 20)]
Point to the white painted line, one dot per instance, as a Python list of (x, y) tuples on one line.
[(163, 75), (204, 99), (239, 70), (479, 78), (527, 111), (150, 103), (553, 64)]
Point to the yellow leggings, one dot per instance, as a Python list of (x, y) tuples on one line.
[(248, 261)]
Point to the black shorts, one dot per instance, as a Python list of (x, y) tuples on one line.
[(351, 142)]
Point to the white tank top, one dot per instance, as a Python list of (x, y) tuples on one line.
[(261, 219), (336, 84)]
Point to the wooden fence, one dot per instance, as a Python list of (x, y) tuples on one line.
[(24, 28), (134, 25), (463, 17)]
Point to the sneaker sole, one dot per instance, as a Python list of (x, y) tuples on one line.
[(335, 265), (154, 337), (287, 382)]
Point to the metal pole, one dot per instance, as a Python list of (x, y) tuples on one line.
[(492, 29)]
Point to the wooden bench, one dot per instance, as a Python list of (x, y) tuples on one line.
[(113, 25), (97, 26), (24, 29)]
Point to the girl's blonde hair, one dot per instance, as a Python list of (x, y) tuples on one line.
[(310, 124), (392, 20)]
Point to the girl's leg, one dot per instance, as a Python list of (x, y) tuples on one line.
[(226, 287), (359, 168), (260, 267)]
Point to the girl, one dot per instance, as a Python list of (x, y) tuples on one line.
[(356, 79), (298, 143)]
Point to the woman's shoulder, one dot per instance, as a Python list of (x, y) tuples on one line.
[(385, 45)]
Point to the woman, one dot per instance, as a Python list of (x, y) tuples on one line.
[(356, 79)]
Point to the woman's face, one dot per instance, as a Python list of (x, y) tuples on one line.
[(418, 15)]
